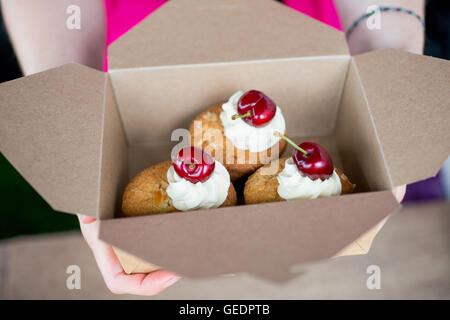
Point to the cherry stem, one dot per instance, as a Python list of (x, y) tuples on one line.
[(237, 116), (292, 143), (191, 165)]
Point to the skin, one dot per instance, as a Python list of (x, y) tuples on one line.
[(41, 40), (116, 279), (40, 43), (398, 30)]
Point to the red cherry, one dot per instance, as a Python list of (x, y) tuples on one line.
[(311, 159), (194, 164), (255, 108), (317, 164)]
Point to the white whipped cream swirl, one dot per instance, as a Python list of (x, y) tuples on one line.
[(186, 195), (246, 137), (294, 185)]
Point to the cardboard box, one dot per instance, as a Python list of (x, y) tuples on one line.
[(79, 135)]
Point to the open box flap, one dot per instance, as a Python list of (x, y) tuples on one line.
[(206, 31), (409, 101), (51, 130), (263, 239)]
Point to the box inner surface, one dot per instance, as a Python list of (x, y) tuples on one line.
[(317, 97)]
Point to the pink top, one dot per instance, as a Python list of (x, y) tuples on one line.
[(122, 15), (322, 10)]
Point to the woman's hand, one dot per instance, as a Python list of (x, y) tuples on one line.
[(115, 278)]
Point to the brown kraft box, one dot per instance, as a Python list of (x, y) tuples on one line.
[(78, 135)]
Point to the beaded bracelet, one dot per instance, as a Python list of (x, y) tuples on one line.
[(384, 9)]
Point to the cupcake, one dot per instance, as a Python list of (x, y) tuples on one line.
[(308, 174), (193, 180), (240, 132)]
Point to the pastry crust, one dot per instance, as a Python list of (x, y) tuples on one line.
[(146, 193), (263, 187), (216, 144)]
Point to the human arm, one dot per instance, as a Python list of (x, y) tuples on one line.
[(42, 40), (398, 30)]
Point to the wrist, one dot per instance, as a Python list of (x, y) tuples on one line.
[(399, 31)]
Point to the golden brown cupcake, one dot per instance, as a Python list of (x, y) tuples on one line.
[(262, 186), (160, 189), (239, 144)]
